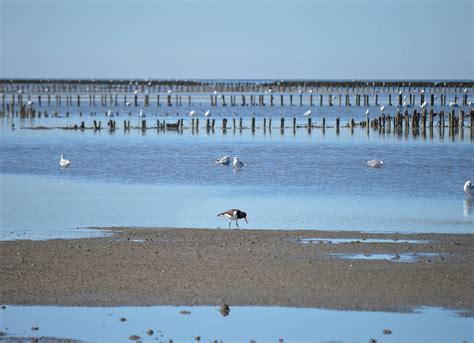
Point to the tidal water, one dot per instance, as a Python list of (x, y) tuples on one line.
[(292, 180), (243, 324)]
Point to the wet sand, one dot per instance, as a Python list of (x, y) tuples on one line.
[(160, 266)]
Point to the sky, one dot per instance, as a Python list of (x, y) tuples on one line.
[(229, 39)]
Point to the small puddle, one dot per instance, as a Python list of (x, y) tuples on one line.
[(411, 257), (358, 240), (240, 324), (43, 235)]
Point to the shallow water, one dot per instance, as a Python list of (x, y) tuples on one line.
[(291, 181), (359, 240), (263, 324), (409, 257)]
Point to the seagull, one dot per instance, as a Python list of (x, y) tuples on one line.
[(142, 115), (238, 164), (223, 161), (192, 113), (307, 113), (367, 112), (423, 105), (374, 163), (169, 91), (469, 188), (128, 103), (234, 214), (208, 113), (453, 104), (109, 114), (30, 103), (382, 108), (64, 162)]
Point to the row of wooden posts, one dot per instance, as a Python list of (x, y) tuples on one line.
[(401, 121), (245, 100), (235, 86)]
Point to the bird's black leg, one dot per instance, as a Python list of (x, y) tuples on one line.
[(237, 223), (229, 223)]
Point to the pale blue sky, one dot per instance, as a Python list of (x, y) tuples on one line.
[(321, 39)]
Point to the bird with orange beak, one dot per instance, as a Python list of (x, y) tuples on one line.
[(234, 214)]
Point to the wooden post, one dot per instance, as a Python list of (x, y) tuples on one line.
[(310, 125), (224, 124), (240, 123), (472, 123), (282, 123), (461, 119), (338, 122), (281, 100), (143, 124), (253, 123), (320, 100)]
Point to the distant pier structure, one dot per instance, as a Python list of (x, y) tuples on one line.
[(404, 105)]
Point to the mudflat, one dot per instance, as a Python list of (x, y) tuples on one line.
[(180, 266)]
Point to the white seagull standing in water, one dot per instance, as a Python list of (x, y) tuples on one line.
[(192, 113), (223, 161), (64, 162), (382, 109), (307, 113), (208, 113), (238, 164), (469, 188), (367, 112), (234, 214), (374, 163)]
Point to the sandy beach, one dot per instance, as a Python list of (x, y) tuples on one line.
[(161, 266)]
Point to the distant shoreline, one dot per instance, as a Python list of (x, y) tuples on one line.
[(159, 266)]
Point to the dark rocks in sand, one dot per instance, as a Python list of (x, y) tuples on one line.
[(396, 257), (134, 337), (149, 332), (387, 332), (224, 310), (34, 328), (123, 319), (185, 312)]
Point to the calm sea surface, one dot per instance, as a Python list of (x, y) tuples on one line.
[(292, 180)]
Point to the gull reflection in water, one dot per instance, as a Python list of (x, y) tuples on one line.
[(468, 205)]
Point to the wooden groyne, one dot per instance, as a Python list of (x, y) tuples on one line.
[(418, 123)]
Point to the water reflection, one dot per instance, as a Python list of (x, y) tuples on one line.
[(468, 205)]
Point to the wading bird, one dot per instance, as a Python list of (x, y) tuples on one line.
[(234, 214), (64, 162)]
